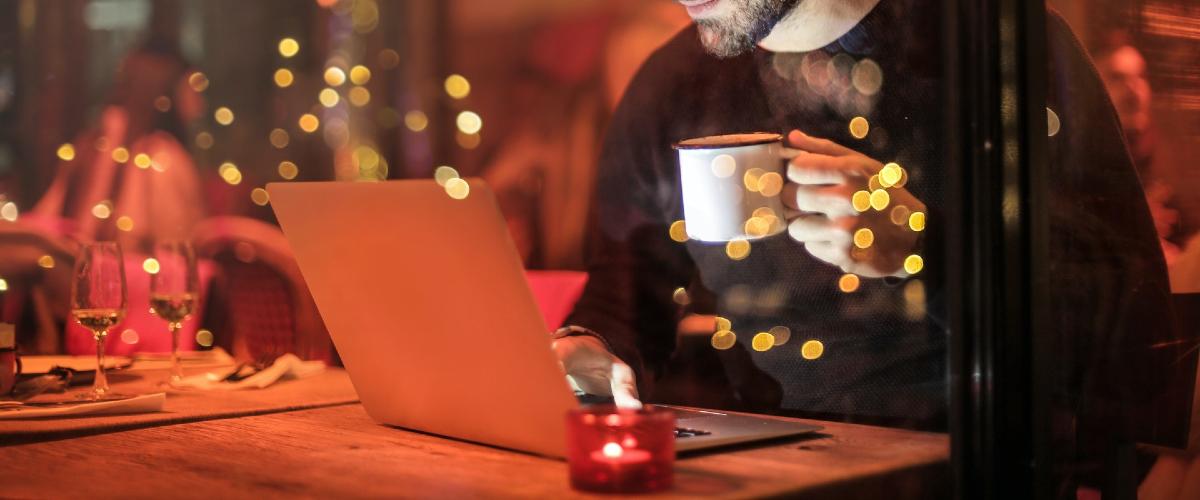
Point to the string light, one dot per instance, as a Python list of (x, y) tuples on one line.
[(812, 349), (762, 341), (721, 323), (737, 249), (863, 238), (890, 174), (861, 200), (880, 199), (848, 283), (723, 339)]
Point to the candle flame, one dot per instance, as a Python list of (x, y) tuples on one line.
[(613, 450)]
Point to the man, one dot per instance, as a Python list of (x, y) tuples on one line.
[(855, 84)]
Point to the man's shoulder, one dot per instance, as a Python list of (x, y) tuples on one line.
[(676, 61)]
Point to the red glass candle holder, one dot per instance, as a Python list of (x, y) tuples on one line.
[(614, 450)]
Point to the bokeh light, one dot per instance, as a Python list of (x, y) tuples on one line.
[(861, 200), (120, 155), (722, 323), (680, 296), (863, 238), (1053, 124), (66, 152), (204, 338), (279, 138), (151, 265), (890, 174), (284, 78), (812, 349), (880, 199), (899, 215), (334, 76), (230, 173), (129, 336), (198, 81), (457, 188), (162, 103), (469, 122), (762, 341), (737, 249), (204, 140), (289, 47), (781, 334), (859, 127), (288, 170), (750, 178), (916, 221), (125, 223), (913, 264), (308, 122), (328, 97), (8, 211), (102, 210), (416, 120), (359, 96), (678, 231), (389, 59), (360, 75), (457, 86), (770, 184), (46, 262), (723, 339), (142, 160), (223, 115), (848, 283), (260, 197), (723, 166), (444, 173)]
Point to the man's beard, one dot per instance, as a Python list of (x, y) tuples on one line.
[(749, 22)]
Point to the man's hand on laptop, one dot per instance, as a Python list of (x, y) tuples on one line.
[(597, 371)]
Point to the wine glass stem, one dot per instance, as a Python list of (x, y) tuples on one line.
[(176, 368), (100, 382)]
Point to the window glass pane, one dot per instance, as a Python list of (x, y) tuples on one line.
[(1122, 120)]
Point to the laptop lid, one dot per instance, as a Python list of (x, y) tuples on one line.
[(425, 298)]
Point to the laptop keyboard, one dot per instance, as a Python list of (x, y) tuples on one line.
[(684, 432)]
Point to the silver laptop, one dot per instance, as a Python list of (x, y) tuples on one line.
[(425, 297)]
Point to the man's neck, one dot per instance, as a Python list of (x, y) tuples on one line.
[(813, 24)]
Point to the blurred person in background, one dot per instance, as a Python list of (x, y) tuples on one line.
[(1123, 70), (128, 178)]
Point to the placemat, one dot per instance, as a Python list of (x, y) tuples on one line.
[(330, 388)]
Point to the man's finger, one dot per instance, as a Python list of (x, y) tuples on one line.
[(819, 169), (831, 201), (827, 251), (801, 140), (813, 228), (624, 388)]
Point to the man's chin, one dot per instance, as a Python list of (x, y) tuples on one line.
[(721, 43)]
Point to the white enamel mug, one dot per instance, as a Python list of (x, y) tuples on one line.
[(731, 185)]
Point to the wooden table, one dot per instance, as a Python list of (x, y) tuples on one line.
[(338, 451)]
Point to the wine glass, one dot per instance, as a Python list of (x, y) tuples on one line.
[(98, 302), (174, 286)]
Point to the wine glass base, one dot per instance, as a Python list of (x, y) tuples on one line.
[(108, 396)]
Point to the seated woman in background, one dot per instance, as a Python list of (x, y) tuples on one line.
[(128, 177)]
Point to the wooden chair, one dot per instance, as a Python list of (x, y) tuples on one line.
[(260, 306)]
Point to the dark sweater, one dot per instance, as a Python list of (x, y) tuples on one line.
[(884, 346)]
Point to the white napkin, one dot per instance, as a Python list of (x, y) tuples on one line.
[(286, 367), (145, 403)]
